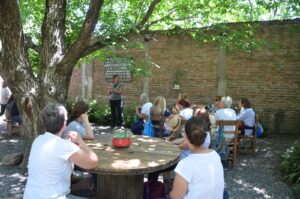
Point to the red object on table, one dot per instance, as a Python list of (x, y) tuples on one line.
[(121, 143)]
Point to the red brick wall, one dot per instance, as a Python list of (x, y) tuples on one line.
[(269, 77), (75, 84)]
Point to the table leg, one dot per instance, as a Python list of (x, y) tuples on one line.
[(120, 186)]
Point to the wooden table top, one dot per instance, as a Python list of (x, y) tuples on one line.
[(145, 155)]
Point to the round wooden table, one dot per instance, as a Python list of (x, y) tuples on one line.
[(120, 172)]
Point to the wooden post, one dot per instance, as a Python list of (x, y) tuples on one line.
[(148, 63), (222, 83)]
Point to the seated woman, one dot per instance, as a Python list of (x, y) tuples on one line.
[(180, 97), (184, 109), (142, 113), (247, 116), (158, 109), (201, 113), (201, 174), (51, 160), (79, 121), (226, 113), (12, 111)]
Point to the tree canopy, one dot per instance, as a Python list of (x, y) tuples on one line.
[(118, 18), (41, 41)]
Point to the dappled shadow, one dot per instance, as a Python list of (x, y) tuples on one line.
[(257, 176), (12, 182)]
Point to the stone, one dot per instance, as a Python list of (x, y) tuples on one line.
[(12, 159)]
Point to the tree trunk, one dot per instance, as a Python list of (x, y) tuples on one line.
[(57, 62)]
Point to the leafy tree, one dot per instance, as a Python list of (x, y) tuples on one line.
[(41, 41)]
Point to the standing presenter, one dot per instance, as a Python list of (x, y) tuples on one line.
[(115, 102)]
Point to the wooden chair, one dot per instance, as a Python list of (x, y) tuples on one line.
[(247, 139), (161, 120), (232, 142), (12, 128)]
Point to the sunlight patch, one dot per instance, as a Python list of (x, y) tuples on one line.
[(261, 191)]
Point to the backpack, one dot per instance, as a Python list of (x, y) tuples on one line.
[(148, 128), (154, 189), (220, 145)]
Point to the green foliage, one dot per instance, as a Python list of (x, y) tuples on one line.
[(99, 113), (118, 18), (290, 167), (129, 112), (122, 133), (69, 106)]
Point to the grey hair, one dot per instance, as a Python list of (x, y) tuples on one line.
[(227, 101), (144, 98), (53, 117)]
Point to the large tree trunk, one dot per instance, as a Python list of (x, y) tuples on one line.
[(57, 62), (51, 85)]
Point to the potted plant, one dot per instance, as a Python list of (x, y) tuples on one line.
[(177, 78), (121, 138)]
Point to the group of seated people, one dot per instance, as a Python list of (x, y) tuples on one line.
[(189, 126), (186, 125), (220, 110)]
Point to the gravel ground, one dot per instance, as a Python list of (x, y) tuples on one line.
[(256, 176)]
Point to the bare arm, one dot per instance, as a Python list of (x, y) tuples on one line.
[(180, 187), (84, 157), (88, 127), (117, 90)]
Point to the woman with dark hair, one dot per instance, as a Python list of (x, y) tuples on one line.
[(79, 121), (247, 116), (115, 102), (184, 109), (200, 175), (201, 113)]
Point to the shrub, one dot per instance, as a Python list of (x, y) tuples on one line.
[(129, 112), (290, 167), (69, 106), (99, 113)]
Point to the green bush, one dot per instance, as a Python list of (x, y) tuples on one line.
[(69, 106), (129, 112), (290, 167), (99, 113)]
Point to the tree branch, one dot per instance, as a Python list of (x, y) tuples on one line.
[(82, 43), (53, 29), (96, 44), (148, 14), (160, 19), (14, 61)]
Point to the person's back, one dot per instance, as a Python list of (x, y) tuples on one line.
[(204, 174), (226, 113), (200, 175), (52, 159), (48, 168)]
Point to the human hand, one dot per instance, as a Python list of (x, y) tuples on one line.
[(74, 137), (85, 117)]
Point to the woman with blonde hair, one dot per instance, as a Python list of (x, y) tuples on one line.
[(159, 109)]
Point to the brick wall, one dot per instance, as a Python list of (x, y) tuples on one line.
[(269, 77)]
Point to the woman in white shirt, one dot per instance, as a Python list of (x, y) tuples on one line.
[(200, 175)]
